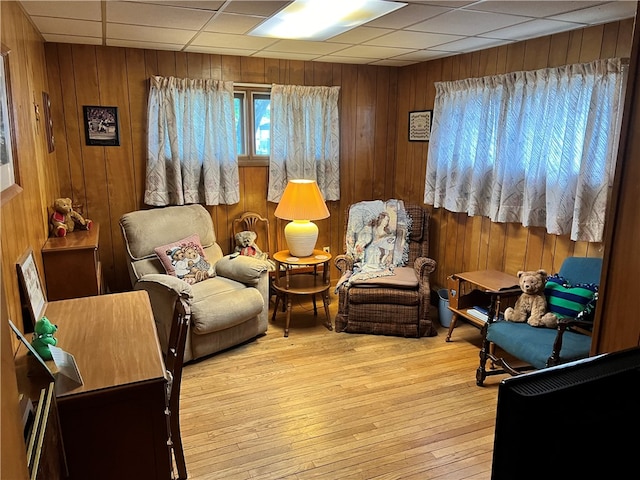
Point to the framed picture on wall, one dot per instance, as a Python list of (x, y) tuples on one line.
[(31, 289), (101, 125), (420, 125), (8, 166)]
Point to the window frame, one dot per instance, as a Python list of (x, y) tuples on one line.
[(248, 93)]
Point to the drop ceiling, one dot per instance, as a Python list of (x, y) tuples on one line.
[(420, 31)]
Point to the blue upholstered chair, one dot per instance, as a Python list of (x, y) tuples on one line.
[(540, 347)]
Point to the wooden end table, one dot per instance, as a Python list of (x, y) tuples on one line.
[(286, 284), (481, 287)]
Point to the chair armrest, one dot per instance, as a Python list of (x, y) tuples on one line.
[(344, 263), (242, 268), (423, 267), (165, 282), (163, 290), (563, 325)]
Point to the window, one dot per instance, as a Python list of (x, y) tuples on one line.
[(537, 148), (252, 108)]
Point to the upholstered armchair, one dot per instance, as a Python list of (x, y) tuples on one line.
[(398, 304), (513, 348), (227, 309)]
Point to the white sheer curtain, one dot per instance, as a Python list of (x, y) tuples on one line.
[(191, 154), (538, 147), (305, 139)]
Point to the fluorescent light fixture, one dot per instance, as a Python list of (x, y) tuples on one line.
[(322, 19)]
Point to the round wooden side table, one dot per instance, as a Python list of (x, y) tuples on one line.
[(287, 283)]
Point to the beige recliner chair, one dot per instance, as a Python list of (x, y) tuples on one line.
[(226, 310)]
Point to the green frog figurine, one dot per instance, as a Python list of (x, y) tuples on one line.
[(43, 337)]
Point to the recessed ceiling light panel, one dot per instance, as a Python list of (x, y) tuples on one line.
[(322, 19)]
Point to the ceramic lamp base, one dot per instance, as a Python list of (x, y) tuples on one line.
[(301, 236)]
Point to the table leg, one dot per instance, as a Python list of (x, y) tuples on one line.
[(275, 307), (286, 325), (325, 299), (454, 320)]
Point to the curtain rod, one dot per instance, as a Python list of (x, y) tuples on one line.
[(252, 85)]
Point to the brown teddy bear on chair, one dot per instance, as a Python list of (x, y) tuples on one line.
[(531, 306), (65, 219)]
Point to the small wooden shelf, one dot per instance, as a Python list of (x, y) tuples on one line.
[(488, 288), (71, 265)]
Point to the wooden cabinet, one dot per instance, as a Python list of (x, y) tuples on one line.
[(114, 424), (71, 265)]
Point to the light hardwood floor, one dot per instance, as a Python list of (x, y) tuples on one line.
[(327, 405)]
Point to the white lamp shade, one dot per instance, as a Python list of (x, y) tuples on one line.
[(301, 236)]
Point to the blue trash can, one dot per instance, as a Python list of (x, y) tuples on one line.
[(444, 314)]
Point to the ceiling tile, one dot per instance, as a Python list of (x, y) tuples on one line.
[(149, 34), (199, 4), (471, 44), (463, 22), (143, 44), (392, 63), (370, 51), (61, 26), (226, 40), (232, 23), (54, 38), (419, 56), (531, 9), (529, 29), (602, 13), (219, 50), (447, 3), (350, 60), (286, 55), (157, 15), (359, 35), (407, 16), (302, 46), (262, 8), (416, 40), (78, 10)]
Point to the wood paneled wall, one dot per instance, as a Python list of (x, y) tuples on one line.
[(110, 181), (463, 243), (23, 217), (377, 160)]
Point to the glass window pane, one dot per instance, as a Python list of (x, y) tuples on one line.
[(262, 123), (238, 105)]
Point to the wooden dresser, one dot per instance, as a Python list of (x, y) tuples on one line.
[(72, 266), (114, 425)]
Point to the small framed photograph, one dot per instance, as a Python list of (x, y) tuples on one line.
[(31, 288), (420, 125), (101, 125)]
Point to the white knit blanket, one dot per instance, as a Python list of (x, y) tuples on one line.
[(376, 238)]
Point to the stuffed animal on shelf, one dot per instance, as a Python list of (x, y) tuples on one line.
[(43, 337), (531, 306), (65, 219)]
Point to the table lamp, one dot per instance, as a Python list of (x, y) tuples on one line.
[(301, 202)]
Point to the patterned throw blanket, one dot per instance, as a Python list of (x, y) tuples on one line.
[(376, 238)]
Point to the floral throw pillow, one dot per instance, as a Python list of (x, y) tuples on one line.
[(185, 259)]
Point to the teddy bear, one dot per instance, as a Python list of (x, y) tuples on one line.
[(65, 219), (43, 337), (531, 306), (246, 245)]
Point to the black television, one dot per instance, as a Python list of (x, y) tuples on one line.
[(579, 420)]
